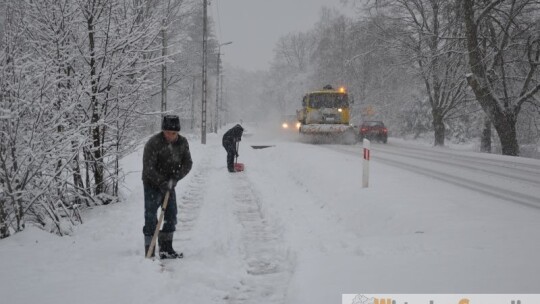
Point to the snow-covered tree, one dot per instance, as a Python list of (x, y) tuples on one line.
[(76, 78), (503, 45), (427, 34)]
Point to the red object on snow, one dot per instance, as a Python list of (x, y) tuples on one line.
[(238, 167)]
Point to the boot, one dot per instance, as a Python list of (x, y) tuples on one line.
[(166, 250), (146, 247)]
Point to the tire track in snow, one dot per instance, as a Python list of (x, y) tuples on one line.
[(526, 173), (500, 190), (316, 222), (268, 260), (191, 199), (325, 239)]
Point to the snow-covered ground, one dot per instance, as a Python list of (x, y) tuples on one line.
[(297, 227)]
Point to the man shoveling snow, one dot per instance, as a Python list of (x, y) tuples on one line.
[(166, 160)]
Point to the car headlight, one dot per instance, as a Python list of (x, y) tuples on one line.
[(285, 125)]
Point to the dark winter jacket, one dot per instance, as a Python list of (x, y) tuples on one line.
[(163, 161), (232, 136)]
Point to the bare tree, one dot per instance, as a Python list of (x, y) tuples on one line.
[(113, 43), (74, 78), (504, 53), (333, 48), (34, 154), (378, 79), (290, 67), (427, 32), (294, 51)]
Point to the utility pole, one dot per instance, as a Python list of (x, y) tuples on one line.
[(222, 121), (216, 117), (204, 63), (163, 69), (217, 94), (193, 103)]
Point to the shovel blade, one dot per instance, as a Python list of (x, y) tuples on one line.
[(238, 167)]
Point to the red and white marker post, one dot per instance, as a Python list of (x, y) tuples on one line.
[(365, 163)]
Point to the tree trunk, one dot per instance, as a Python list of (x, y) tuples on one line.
[(96, 132), (505, 124), (439, 128), (77, 177), (485, 144), (87, 159), (4, 228), (20, 215), (503, 119)]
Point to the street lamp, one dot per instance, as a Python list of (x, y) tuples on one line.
[(216, 123)]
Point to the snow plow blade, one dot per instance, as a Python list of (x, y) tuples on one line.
[(325, 129), (328, 133)]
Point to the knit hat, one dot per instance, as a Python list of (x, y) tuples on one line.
[(170, 123)]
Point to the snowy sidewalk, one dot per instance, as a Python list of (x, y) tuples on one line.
[(295, 227)]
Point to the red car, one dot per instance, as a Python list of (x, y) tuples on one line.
[(373, 130)]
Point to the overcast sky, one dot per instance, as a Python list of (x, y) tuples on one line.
[(254, 26)]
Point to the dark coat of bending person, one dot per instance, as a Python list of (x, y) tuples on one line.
[(230, 140), (166, 160)]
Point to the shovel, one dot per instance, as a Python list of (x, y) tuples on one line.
[(238, 167), (158, 226)]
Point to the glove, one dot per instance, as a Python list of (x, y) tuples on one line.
[(167, 185), (177, 175)]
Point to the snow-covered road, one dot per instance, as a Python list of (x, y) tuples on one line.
[(515, 180), (296, 227)]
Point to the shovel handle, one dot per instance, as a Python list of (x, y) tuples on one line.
[(158, 226), (236, 156)]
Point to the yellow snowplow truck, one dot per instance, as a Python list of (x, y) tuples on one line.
[(325, 117)]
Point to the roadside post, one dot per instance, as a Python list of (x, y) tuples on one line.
[(365, 163)]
